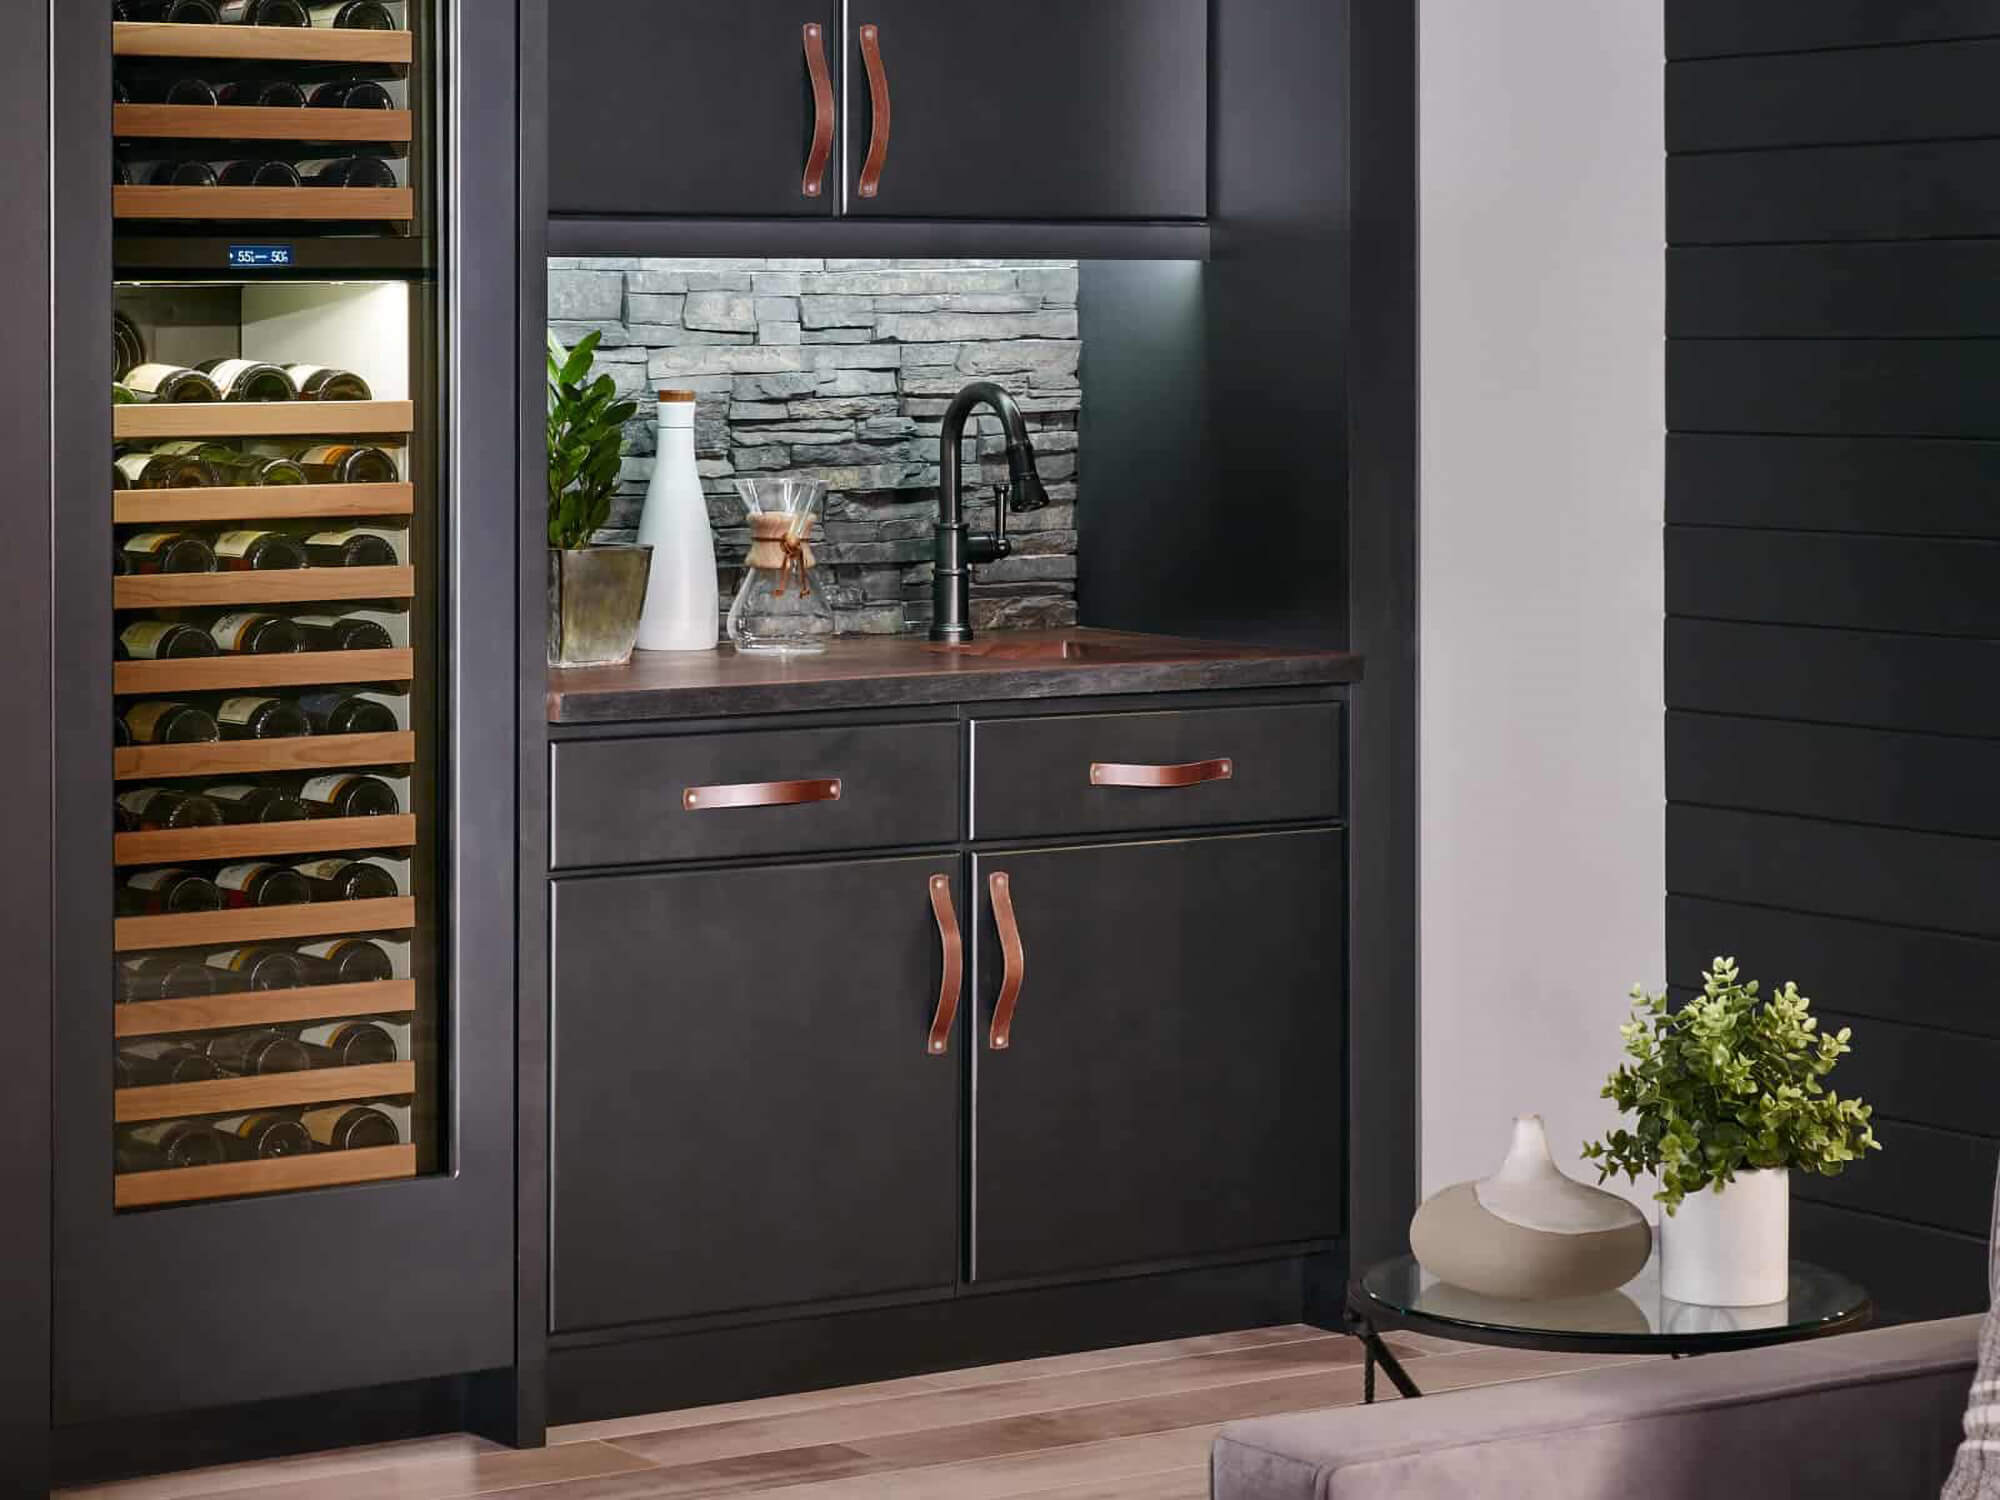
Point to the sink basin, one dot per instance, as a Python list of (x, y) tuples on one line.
[(1072, 648)]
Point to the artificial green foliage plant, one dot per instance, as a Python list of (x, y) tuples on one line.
[(586, 440), (1728, 1083)]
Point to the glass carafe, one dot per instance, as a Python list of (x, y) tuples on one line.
[(781, 608)]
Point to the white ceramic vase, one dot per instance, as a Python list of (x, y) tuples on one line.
[(1732, 1248)]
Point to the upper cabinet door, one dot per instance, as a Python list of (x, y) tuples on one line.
[(1038, 110), (689, 107)]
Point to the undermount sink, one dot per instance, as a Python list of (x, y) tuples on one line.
[(1070, 648)]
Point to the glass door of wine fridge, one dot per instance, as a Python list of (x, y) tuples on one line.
[(286, 471)]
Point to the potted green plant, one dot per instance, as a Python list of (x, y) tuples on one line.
[(1727, 1095), (596, 590)]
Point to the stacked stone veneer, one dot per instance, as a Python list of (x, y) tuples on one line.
[(842, 369)]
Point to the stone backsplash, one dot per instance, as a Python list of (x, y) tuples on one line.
[(842, 369)]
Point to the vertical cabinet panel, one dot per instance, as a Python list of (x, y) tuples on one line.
[(1048, 109), (1172, 1085), (686, 107), (746, 1110)]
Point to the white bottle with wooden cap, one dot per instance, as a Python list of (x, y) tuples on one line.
[(683, 612)]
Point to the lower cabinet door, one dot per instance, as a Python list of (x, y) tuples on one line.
[(749, 1110), (1171, 1084)]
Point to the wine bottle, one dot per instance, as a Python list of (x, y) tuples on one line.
[(169, 552), (181, 174), (165, 640), (170, 383), (264, 13), (163, 722), (322, 383), (352, 1127), (353, 547), (248, 469), (354, 1044), (336, 463), (170, 1144), (262, 93), (187, 12), (121, 733), (260, 172), (359, 630), (263, 1137), (243, 803), (256, 883), (152, 808), (250, 633), (260, 967), (347, 794), (341, 879), (250, 379), (157, 1060), (258, 551), (257, 718), (352, 15), (157, 470), (350, 93), (258, 1052), (170, 88), (163, 976), (153, 893), (128, 346), (339, 712), (349, 960)]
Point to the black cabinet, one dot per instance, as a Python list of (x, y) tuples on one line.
[(1172, 1081), (748, 1111), (1046, 109), (1053, 110), (690, 107)]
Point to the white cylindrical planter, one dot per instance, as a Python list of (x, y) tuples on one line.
[(1732, 1248), (683, 608)]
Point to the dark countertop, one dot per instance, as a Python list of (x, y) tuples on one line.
[(898, 671)]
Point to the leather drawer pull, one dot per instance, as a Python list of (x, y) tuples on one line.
[(952, 946), (878, 98), (1013, 962), (822, 88), (759, 794), (1194, 773)]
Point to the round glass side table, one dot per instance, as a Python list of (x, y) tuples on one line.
[(1635, 1319)]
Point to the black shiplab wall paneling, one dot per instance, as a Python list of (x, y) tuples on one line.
[(1931, 92), (1916, 1074), (1852, 387), (26, 760), (1940, 1178), (1935, 783), (1918, 585), (1912, 191), (1716, 28), (1922, 289), (1837, 869), (1907, 974), (1921, 487), (1926, 683), (1914, 1272)]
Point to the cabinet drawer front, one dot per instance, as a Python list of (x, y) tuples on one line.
[(1119, 773), (718, 796)]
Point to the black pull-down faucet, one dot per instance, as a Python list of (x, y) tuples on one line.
[(958, 550)]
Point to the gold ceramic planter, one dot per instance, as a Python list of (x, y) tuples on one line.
[(596, 595)]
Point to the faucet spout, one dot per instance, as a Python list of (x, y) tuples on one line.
[(958, 549)]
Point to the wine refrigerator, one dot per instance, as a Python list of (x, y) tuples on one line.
[(284, 421)]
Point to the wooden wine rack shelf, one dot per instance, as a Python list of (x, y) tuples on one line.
[(237, 205), (239, 122), (220, 1096), (208, 674), (242, 1179), (263, 924), (317, 752), (259, 43), (276, 586), (327, 1002), (152, 420), (261, 502), (174, 846)]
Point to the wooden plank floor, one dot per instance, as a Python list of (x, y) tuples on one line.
[(1113, 1424)]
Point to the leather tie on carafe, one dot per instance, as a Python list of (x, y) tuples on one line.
[(779, 543)]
